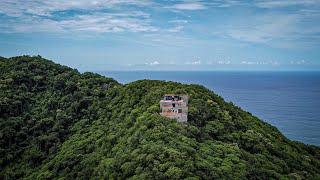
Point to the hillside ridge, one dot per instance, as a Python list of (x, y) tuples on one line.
[(58, 123)]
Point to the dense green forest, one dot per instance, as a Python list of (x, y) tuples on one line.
[(58, 123)]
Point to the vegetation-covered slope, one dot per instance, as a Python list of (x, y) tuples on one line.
[(58, 123)]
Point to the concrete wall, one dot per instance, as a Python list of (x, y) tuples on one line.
[(175, 109)]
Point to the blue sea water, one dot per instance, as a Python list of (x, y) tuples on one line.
[(288, 100)]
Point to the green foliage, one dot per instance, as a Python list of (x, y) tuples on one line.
[(58, 123)]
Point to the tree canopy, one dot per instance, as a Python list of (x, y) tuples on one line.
[(58, 123)]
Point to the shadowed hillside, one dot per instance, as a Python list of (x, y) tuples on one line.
[(58, 123)]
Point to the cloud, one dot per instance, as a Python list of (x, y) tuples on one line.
[(97, 16), (165, 39), (226, 3), (188, 6), (179, 25), (46, 8), (273, 27), (176, 29), (260, 62), (265, 28), (301, 62), (281, 30), (154, 63), (96, 22), (178, 21), (285, 3), (224, 62), (197, 62), (74, 16)]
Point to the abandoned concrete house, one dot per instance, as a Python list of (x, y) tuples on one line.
[(175, 107)]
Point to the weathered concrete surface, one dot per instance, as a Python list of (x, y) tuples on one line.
[(175, 107)]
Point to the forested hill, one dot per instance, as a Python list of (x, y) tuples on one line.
[(58, 123)]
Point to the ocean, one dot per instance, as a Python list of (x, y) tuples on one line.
[(288, 100)]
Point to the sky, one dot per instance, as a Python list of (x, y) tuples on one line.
[(107, 35)]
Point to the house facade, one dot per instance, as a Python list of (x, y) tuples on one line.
[(175, 107)]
